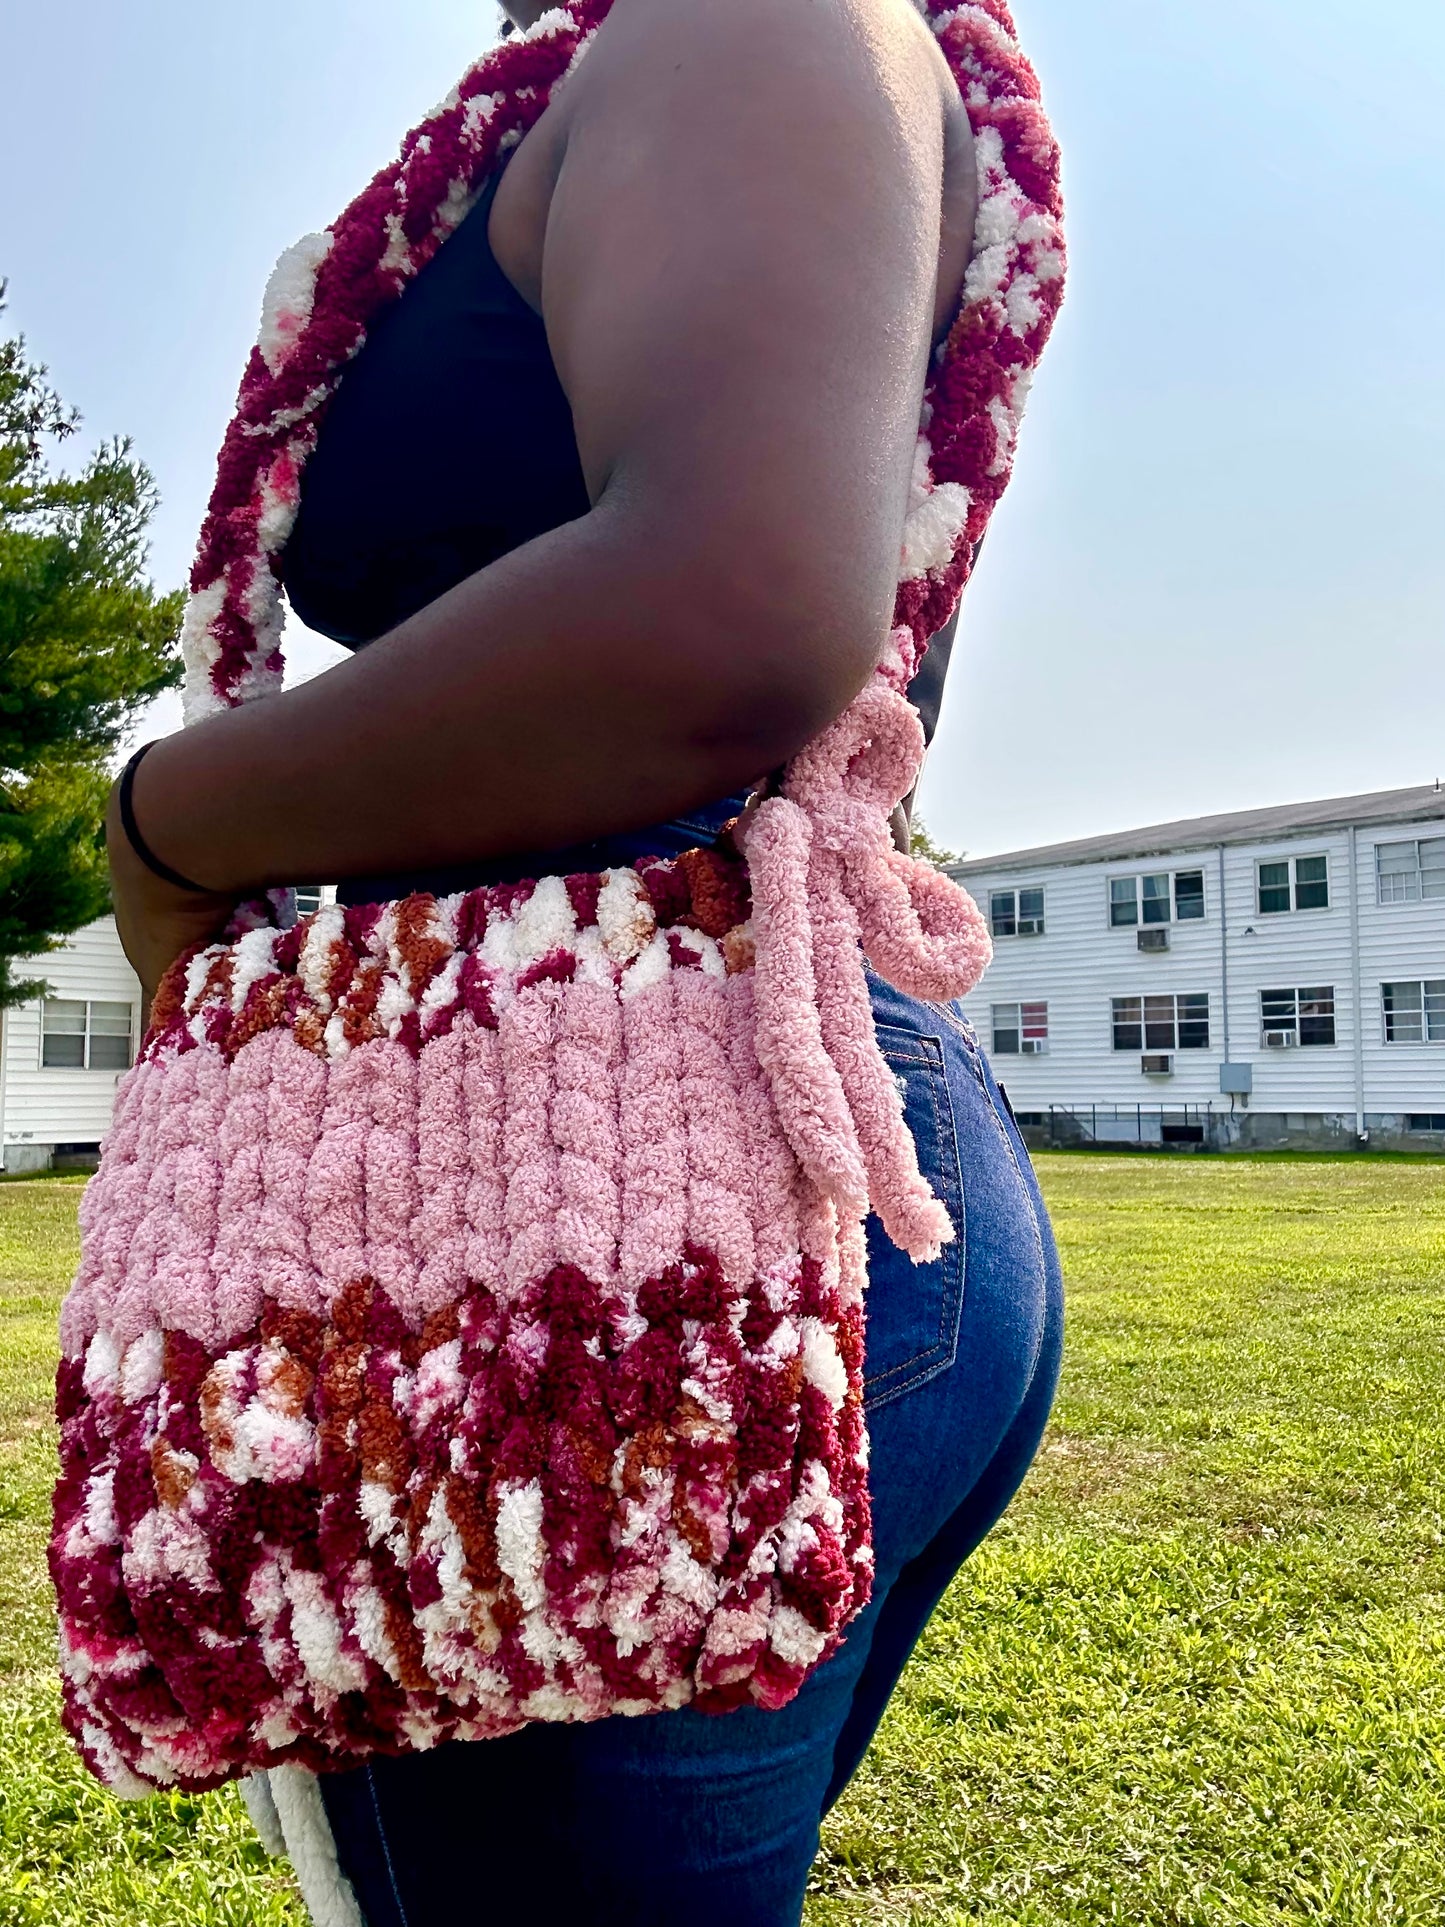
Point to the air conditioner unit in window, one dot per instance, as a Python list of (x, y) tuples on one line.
[(1280, 1039), (1034, 1046), (1155, 939), (1157, 1063)]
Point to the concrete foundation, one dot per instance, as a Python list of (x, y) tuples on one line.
[(1224, 1130)]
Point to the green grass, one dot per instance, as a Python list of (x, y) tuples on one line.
[(1197, 1676)]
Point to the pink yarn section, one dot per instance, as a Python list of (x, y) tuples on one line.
[(450, 1382)]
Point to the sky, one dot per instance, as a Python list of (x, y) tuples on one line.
[(1218, 579)]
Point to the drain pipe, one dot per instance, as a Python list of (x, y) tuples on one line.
[(1224, 958), (1361, 1134)]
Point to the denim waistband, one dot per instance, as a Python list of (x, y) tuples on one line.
[(698, 827)]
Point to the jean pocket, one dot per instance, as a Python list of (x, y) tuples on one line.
[(913, 1311)]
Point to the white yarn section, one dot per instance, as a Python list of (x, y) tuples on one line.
[(256, 1792), (199, 650), (288, 1813), (290, 292), (931, 532)]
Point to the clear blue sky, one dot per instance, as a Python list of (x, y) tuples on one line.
[(1219, 578)]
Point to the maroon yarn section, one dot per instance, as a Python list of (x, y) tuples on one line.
[(562, 1412)]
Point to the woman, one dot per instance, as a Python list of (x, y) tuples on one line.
[(609, 509)]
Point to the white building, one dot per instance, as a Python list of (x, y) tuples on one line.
[(62, 1056), (1265, 977)]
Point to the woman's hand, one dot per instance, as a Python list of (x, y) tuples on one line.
[(156, 920)]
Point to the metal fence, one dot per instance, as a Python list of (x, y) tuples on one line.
[(1149, 1124)]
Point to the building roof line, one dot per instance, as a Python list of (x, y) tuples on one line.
[(1424, 804)]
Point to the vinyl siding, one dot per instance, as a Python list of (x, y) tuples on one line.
[(65, 1106)]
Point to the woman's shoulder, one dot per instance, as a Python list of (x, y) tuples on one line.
[(855, 48), (874, 61)]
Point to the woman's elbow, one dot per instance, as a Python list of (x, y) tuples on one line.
[(774, 688)]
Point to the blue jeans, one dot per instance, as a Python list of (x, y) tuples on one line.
[(687, 1819)]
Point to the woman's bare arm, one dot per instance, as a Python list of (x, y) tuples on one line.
[(738, 284)]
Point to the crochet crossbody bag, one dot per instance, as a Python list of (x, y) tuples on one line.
[(469, 1323)]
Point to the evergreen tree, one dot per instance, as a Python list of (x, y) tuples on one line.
[(85, 643)]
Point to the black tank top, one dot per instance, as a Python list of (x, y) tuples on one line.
[(448, 443)]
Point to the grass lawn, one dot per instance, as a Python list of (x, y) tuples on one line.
[(1197, 1676)]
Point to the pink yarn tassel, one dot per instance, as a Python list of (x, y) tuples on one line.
[(828, 888), (806, 1086), (911, 1215)]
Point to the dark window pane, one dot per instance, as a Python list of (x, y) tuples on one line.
[(1123, 901), (1276, 1009), (1158, 1023), (1317, 1015), (1273, 887), (1031, 912), (1156, 899), (1311, 883), (1001, 913), (1128, 1032), (1189, 895), (109, 1053), (1006, 1028), (1194, 1020), (62, 1052)]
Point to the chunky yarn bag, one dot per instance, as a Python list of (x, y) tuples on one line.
[(469, 1324)]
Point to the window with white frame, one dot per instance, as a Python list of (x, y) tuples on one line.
[(76, 1035), (1160, 897), (308, 898), (1292, 883), (1303, 1017), (1020, 1029), (1414, 1012), (1174, 1022), (1016, 913), (1410, 872)]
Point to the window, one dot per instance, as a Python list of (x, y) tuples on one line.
[(1293, 883), (1162, 1023), (78, 1036), (1303, 1016), (1410, 872), (1148, 899), (1020, 1028), (1414, 1013), (1425, 1121), (308, 898), (1016, 913)]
